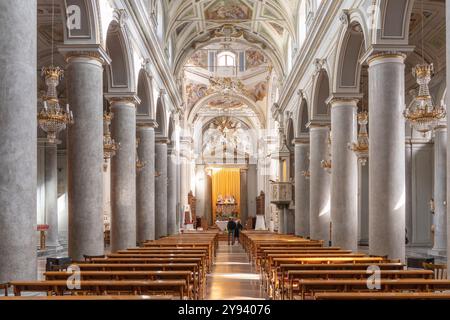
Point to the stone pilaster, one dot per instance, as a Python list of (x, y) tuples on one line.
[(18, 140), (319, 184), (440, 191), (447, 42), (301, 188), (344, 174), (123, 172), (387, 155), (51, 194), (172, 192), (145, 183), (244, 195), (161, 187)]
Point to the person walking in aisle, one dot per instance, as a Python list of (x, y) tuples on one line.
[(239, 227), (231, 227)]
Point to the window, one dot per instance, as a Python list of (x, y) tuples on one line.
[(226, 59)]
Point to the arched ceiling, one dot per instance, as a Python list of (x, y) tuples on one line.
[(268, 25)]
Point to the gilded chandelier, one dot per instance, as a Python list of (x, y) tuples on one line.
[(422, 114), (110, 147), (361, 147), (52, 118)]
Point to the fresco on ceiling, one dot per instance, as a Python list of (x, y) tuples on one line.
[(225, 103), (277, 28), (259, 92), (194, 92), (181, 27), (254, 58), (229, 9), (199, 59)]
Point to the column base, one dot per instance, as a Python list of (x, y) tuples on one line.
[(441, 253), (260, 223), (49, 250)]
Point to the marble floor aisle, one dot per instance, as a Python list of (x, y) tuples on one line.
[(233, 277)]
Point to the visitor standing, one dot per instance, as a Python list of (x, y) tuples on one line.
[(231, 227)]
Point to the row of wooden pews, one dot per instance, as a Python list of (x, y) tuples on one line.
[(171, 267), (297, 268)]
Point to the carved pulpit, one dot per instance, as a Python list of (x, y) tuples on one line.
[(280, 193)]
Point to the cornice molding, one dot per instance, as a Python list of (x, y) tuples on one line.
[(157, 55)]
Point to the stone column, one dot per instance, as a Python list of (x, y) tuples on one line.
[(85, 155), (252, 190), (161, 187), (208, 199), (447, 42), (123, 174), (243, 190), (344, 174), (18, 140), (319, 185), (281, 217), (363, 203), (387, 155), (51, 194), (440, 191), (145, 184), (171, 192), (301, 188)]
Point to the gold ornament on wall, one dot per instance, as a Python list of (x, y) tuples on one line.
[(110, 147)]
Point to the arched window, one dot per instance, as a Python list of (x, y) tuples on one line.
[(226, 59)]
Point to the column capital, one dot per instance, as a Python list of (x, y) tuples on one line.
[(43, 142), (441, 127), (380, 51), (147, 124), (162, 140), (347, 99), (87, 51), (129, 99), (313, 124), (186, 140), (301, 141)]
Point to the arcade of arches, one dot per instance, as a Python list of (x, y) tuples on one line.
[(292, 116)]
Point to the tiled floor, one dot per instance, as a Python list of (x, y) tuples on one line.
[(232, 276)]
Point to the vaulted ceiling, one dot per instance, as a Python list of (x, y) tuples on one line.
[(267, 25)]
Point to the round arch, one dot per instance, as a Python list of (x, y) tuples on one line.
[(161, 118), (347, 67), (302, 119), (145, 93), (205, 100), (120, 72), (321, 93)]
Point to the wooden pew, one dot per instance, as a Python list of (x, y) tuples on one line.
[(191, 267), (4, 286), (310, 287), (198, 260), (101, 287), (205, 262), (382, 296), (84, 298), (264, 251), (294, 276), (272, 272), (131, 275), (284, 268)]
